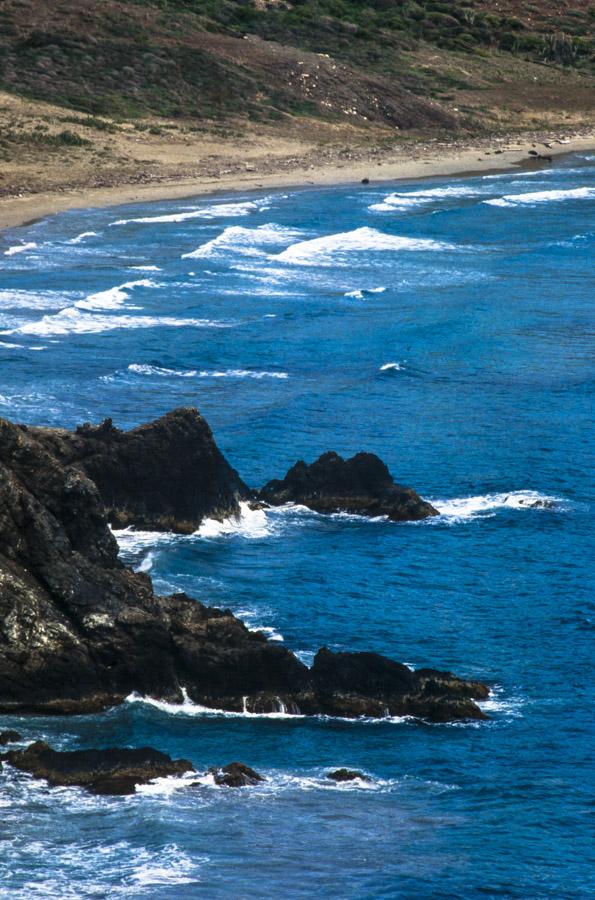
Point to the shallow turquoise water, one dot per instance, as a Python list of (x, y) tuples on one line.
[(446, 326)]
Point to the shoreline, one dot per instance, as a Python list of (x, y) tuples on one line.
[(416, 162)]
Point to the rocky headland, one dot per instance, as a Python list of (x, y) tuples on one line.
[(79, 631)]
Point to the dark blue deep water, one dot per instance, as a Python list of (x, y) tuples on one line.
[(446, 326)]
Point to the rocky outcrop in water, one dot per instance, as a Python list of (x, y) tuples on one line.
[(361, 484), (111, 771), (79, 631), (235, 774), (342, 775), (167, 475)]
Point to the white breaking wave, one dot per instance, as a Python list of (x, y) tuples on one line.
[(132, 541), (582, 193), (139, 369), (146, 268), (392, 367), (72, 321), (203, 373), (241, 373), (246, 241), (321, 250), (188, 708), (485, 505), (81, 237), (113, 297), (496, 703), (360, 293), (406, 200), (214, 211), (20, 248), (8, 346), (251, 523)]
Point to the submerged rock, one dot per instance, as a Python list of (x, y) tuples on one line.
[(235, 774), (361, 484), (340, 775), (9, 737), (111, 771), (79, 631)]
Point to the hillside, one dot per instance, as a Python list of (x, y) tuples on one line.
[(146, 81)]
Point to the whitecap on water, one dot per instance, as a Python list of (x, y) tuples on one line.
[(20, 248), (244, 241), (114, 297), (323, 250), (213, 211), (141, 369), (581, 193), (164, 372), (485, 505), (82, 237), (403, 200), (392, 367), (23, 299), (360, 293), (122, 869), (73, 321)]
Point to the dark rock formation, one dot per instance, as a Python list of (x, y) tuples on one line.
[(79, 631), (112, 771), (340, 775), (9, 737), (368, 684), (360, 485), (235, 774), (537, 503), (167, 475)]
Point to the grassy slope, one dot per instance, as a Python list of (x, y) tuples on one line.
[(141, 74)]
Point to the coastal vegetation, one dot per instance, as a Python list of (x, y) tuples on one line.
[(143, 81)]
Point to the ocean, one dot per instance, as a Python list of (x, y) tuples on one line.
[(446, 325)]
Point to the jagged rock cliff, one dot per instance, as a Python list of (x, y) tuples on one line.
[(167, 475), (79, 631)]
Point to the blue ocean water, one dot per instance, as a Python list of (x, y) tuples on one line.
[(446, 326)]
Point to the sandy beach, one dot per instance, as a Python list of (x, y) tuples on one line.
[(424, 159)]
